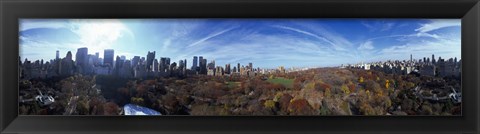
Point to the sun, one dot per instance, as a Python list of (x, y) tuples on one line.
[(98, 35)]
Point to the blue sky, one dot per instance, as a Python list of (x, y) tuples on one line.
[(267, 43)]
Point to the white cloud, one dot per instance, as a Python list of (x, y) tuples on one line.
[(446, 48), (209, 37), (368, 45), (378, 26), (335, 40), (95, 34), (438, 24), (27, 24), (387, 26), (291, 52), (99, 34)]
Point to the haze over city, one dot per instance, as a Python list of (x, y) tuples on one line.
[(268, 43)]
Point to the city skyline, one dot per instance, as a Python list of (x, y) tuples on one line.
[(298, 42)]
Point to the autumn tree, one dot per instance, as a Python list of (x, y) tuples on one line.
[(300, 107), (110, 108)]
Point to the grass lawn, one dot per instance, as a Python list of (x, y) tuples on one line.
[(288, 83), (232, 84)]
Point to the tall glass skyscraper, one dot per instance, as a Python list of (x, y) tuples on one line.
[(108, 57), (194, 63)]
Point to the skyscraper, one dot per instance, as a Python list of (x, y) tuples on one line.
[(155, 65), (411, 58), (57, 55), (211, 65), (135, 61), (163, 64), (81, 59), (118, 65), (227, 69), (203, 66), (194, 63), (181, 65), (150, 57), (97, 57), (185, 64), (66, 65), (433, 59), (200, 60), (238, 67), (250, 66), (108, 57)]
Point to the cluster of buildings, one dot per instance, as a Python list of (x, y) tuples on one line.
[(213, 70), (137, 67), (426, 66), (88, 64)]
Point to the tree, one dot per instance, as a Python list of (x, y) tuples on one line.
[(138, 100), (300, 107), (284, 102), (269, 104), (351, 87), (345, 89), (327, 93), (141, 90), (372, 85), (110, 108), (387, 84), (366, 109)]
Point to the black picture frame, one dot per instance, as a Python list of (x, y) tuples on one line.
[(12, 10)]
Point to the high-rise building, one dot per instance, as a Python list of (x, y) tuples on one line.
[(97, 55), (194, 63), (211, 65), (203, 66), (155, 65), (164, 64), (135, 61), (238, 67), (150, 57), (118, 64), (433, 59), (411, 58), (184, 71), (227, 69), (108, 57), (57, 55), (181, 65), (250, 66), (66, 65), (97, 58), (81, 59), (172, 69), (200, 60)]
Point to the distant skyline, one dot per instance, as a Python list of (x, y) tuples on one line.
[(267, 43)]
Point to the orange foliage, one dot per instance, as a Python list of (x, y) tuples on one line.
[(300, 107), (324, 86), (352, 87), (110, 108)]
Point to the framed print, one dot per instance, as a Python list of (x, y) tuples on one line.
[(213, 66)]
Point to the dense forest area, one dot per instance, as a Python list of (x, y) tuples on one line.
[(321, 91)]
